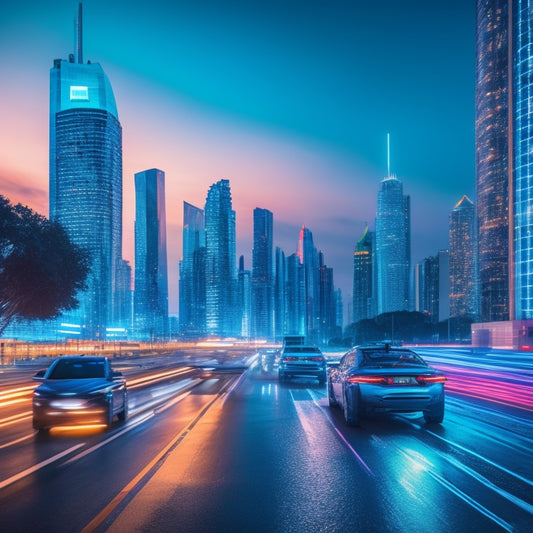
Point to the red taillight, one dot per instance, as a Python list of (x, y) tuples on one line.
[(431, 379), (365, 379), (285, 359)]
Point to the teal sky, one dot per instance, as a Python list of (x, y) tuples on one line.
[(290, 100)]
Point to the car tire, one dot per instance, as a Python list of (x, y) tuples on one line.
[(435, 415), (109, 421), (123, 415), (351, 409), (331, 396)]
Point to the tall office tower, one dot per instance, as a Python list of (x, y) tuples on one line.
[(327, 309), (308, 255), (151, 277), (86, 178), (463, 255), (393, 244), (262, 275), (492, 157), (244, 303), (124, 294), (192, 273), (428, 288), (221, 318), (295, 294), (522, 136), (363, 277), (444, 284), (339, 311), (280, 294)]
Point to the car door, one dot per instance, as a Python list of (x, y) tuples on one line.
[(337, 378)]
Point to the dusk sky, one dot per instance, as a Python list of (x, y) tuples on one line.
[(290, 100)]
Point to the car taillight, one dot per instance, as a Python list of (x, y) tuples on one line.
[(314, 358), (365, 379), (285, 359), (431, 379)]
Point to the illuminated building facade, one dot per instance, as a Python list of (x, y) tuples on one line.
[(463, 260), (280, 294), (86, 180), (492, 157), (151, 277), (221, 315), (522, 135), (393, 245), (262, 275), (192, 273), (363, 277)]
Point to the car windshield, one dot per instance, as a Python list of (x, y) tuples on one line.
[(390, 358), (66, 369)]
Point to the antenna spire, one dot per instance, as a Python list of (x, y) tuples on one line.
[(79, 35), (388, 155)]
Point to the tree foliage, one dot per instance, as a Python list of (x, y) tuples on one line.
[(41, 269)]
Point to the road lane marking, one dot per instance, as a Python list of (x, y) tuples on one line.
[(361, 461), (22, 439), (117, 500), (426, 467), (15, 419), (38, 466)]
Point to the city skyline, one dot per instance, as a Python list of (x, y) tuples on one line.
[(275, 98)]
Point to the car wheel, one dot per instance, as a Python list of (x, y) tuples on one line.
[(435, 415), (351, 409), (109, 421), (331, 396), (123, 415)]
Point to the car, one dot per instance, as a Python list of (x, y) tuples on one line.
[(301, 361), (381, 378), (79, 390)]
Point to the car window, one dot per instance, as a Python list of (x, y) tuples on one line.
[(348, 360), (396, 358), (66, 369)]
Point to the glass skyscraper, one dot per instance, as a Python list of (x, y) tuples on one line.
[(463, 255), (192, 272), (363, 277), (221, 275), (393, 245), (492, 157), (522, 135), (262, 275), (86, 180), (151, 277)]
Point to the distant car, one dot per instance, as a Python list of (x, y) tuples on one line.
[(385, 379), (301, 361), (79, 390)]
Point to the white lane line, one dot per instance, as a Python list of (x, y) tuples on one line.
[(38, 466), (13, 442), (425, 466), (110, 439), (361, 461)]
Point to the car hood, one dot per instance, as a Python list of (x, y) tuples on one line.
[(73, 387)]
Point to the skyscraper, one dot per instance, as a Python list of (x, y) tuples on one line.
[(151, 277), (86, 179), (262, 275), (308, 255), (463, 255), (363, 277), (296, 300), (393, 245), (492, 157), (192, 273), (221, 275), (522, 136), (280, 295)]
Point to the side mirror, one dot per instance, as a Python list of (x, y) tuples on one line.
[(115, 374), (39, 376)]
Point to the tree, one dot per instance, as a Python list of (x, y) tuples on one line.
[(41, 269)]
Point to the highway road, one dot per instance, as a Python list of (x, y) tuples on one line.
[(216, 444)]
